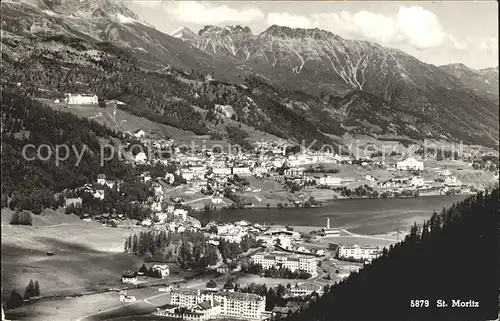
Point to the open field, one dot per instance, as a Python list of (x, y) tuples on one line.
[(87, 256), (74, 308)]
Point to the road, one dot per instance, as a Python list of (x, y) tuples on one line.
[(147, 300), (196, 282), (367, 236), (198, 199)]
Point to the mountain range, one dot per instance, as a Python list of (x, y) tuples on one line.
[(352, 86)]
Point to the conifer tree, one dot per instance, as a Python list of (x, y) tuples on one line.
[(30, 290), (15, 300), (37, 289)]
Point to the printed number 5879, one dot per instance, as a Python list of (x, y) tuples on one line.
[(419, 303)]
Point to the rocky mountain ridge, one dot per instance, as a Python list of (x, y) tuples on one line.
[(482, 80), (423, 99)]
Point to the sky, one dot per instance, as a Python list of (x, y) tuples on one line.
[(439, 32)]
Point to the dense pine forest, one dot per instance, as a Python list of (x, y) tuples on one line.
[(453, 256), (32, 184), (169, 96)]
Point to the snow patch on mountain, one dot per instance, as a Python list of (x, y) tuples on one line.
[(125, 20)]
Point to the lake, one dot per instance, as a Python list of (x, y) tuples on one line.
[(363, 216)]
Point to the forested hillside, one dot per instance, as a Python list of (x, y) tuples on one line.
[(453, 256), (32, 184)]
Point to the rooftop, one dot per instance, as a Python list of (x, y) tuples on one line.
[(240, 296), (285, 254)]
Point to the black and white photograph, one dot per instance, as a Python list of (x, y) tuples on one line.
[(249, 160)]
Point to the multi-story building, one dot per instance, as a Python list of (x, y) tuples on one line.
[(290, 261), (221, 171), (202, 311), (295, 171), (78, 99), (229, 304), (303, 289), (410, 164), (357, 252), (189, 297), (240, 305), (241, 171)]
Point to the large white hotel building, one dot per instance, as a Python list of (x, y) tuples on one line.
[(293, 262), (229, 304), (357, 252)]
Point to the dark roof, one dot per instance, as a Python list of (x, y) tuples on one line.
[(129, 275), (166, 306), (205, 305)]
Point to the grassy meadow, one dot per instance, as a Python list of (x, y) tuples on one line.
[(87, 256)]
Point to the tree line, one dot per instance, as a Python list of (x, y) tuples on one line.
[(15, 299), (430, 264), (190, 249)]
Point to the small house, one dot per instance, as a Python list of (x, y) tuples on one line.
[(180, 213), (163, 269), (129, 277), (99, 193), (223, 269), (141, 157), (140, 133), (110, 184), (101, 179), (74, 201)]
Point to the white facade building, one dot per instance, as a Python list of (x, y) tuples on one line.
[(101, 179), (221, 171), (78, 99), (231, 304), (180, 213), (417, 181), (163, 268), (140, 157), (293, 262), (357, 252), (140, 134), (241, 171), (452, 181), (410, 164), (330, 181)]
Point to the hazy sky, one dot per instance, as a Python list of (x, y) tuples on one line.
[(439, 32)]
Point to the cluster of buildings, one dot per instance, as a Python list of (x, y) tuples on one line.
[(133, 277), (199, 305)]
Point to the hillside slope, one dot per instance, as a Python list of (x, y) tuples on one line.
[(430, 264), (320, 60), (83, 36), (484, 81)]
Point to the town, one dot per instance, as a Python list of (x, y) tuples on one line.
[(308, 261), (189, 184)]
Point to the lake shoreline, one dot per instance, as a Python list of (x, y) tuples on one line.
[(359, 216), (328, 200)]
